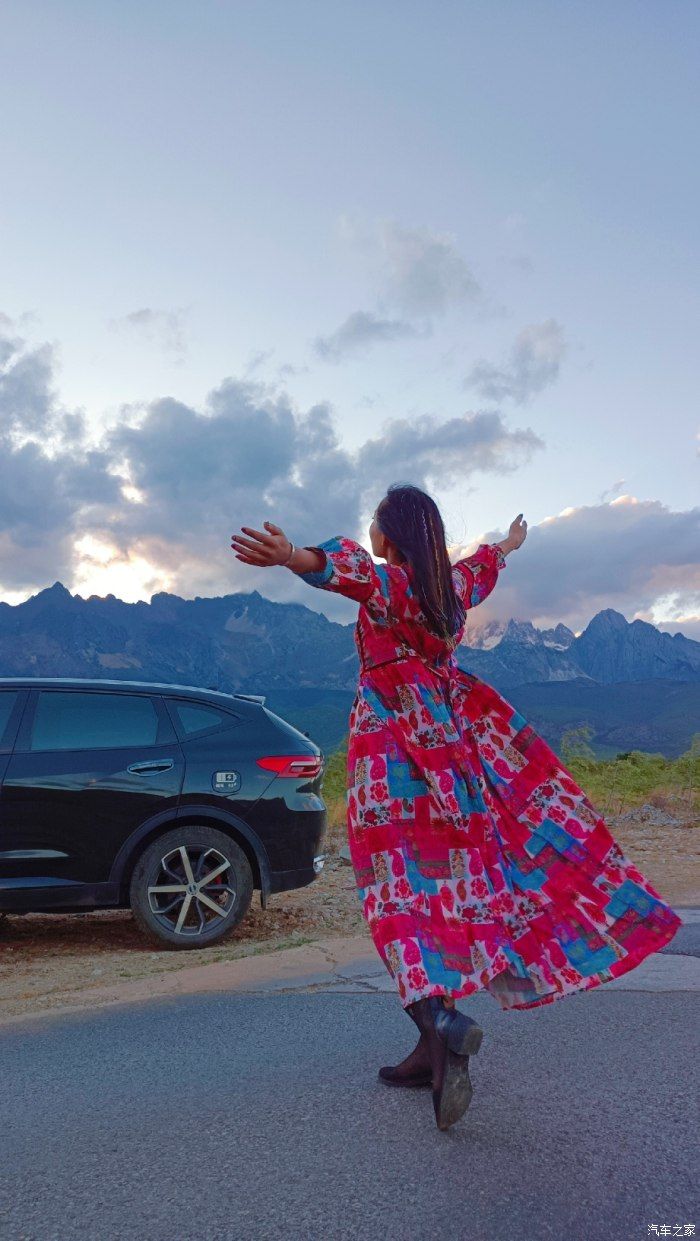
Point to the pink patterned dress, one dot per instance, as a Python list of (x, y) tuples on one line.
[(480, 863)]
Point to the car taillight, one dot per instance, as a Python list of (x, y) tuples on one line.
[(299, 765)]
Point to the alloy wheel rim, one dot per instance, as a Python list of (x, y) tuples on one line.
[(193, 891)]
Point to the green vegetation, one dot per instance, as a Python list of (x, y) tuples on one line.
[(614, 785), (320, 713), (575, 744), (334, 785), (633, 777), (655, 716)]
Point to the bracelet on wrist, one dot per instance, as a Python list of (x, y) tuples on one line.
[(284, 563)]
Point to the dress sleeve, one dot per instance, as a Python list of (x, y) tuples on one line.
[(475, 576), (348, 570)]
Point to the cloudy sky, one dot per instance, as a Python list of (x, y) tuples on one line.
[(259, 259)]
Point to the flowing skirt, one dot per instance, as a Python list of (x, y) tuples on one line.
[(480, 863)]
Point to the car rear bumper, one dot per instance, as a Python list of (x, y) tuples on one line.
[(285, 880)]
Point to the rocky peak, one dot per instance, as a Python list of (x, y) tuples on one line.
[(559, 638), (51, 597), (521, 631), (606, 622), (614, 649)]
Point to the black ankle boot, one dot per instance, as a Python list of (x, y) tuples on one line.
[(451, 1037), (415, 1070)]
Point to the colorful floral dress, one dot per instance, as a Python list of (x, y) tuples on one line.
[(480, 863)]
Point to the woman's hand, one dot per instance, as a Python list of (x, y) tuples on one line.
[(517, 533), (262, 549)]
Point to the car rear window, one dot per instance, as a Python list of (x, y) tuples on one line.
[(66, 720), (199, 717), (8, 698)]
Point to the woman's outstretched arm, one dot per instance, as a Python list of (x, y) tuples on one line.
[(515, 537), (272, 547), (475, 576), (337, 564)]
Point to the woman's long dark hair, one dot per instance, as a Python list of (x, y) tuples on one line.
[(412, 520)]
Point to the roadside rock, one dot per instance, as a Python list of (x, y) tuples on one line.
[(648, 814)]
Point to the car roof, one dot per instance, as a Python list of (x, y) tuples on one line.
[(160, 687)]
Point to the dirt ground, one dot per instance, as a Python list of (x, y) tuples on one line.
[(51, 960), (46, 960)]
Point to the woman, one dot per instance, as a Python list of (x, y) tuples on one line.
[(480, 863)]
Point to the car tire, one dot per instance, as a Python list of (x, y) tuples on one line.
[(172, 897)]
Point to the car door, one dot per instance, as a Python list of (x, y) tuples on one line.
[(88, 767), (11, 705), (12, 702)]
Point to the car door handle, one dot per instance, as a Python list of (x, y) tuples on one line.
[(155, 764)]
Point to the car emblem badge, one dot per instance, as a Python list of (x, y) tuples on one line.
[(226, 781)]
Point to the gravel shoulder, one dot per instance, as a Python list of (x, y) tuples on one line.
[(53, 961)]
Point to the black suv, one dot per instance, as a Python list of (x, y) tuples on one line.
[(175, 800)]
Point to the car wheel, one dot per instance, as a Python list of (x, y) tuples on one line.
[(191, 887)]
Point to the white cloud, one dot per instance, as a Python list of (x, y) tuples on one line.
[(627, 554), (51, 481), (611, 491), (417, 275), (165, 328), (360, 330), (534, 363), (417, 271), (431, 452), (168, 484)]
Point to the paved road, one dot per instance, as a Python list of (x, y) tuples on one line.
[(236, 1116)]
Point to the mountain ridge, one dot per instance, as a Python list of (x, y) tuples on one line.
[(617, 674), (244, 635)]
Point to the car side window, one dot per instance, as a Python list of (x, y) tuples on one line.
[(71, 720), (8, 698), (199, 717)]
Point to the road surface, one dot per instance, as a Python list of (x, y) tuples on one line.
[(217, 1116)]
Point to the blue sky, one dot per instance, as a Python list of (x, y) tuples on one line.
[(261, 259)]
